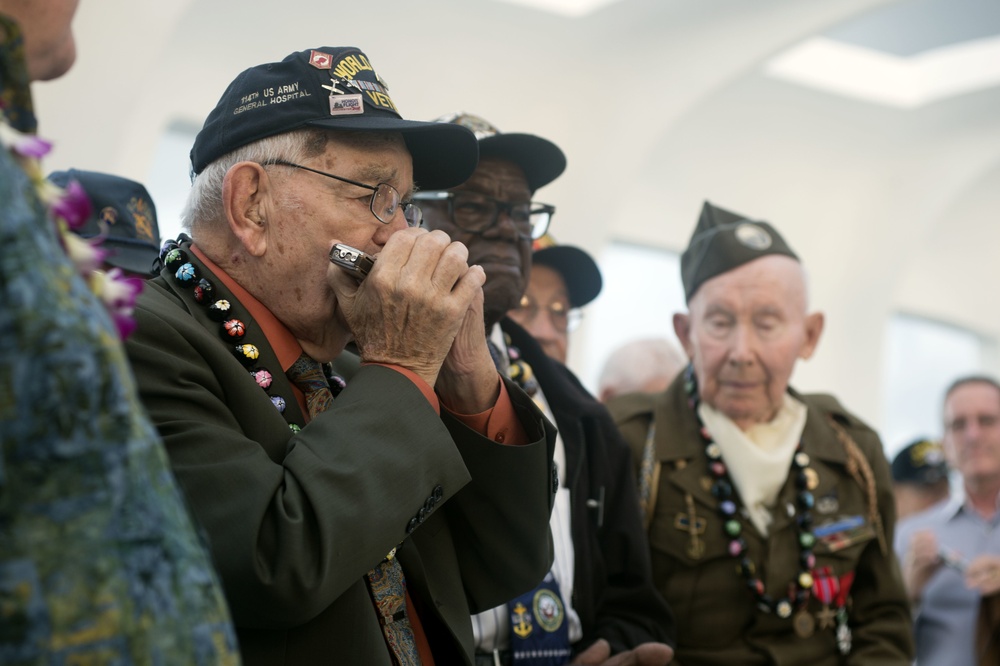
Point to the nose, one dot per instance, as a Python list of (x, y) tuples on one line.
[(383, 231), (741, 351)]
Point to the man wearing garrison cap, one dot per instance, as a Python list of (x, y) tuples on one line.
[(770, 513)]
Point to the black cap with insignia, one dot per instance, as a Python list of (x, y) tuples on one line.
[(723, 241), (920, 462), (541, 160), (332, 87), (122, 212)]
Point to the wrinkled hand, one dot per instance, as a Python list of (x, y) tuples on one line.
[(920, 561), (469, 382), (412, 304), (983, 574), (647, 654)]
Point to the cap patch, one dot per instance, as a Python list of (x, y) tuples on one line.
[(753, 237), (346, 105), (143, 216), (348, 68), (320, 60), (108, 215)]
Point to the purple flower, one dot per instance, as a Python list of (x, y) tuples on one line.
[(28, 145), (73, 205), (25, 145)]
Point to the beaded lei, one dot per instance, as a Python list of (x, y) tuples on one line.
[(232, 329), (723, 490)]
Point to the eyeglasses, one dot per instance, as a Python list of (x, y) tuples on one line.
[(563, 318), (476, 213), (384, 203)]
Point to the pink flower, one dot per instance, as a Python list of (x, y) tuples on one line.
[(73, 205), (119, 293), (25, 145)]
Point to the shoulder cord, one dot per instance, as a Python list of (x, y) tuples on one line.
[(860, 469), (649, 476)]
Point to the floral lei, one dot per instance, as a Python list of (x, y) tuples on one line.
[(68, 209)]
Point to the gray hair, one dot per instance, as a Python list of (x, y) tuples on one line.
[(637, 363), (204, 202)]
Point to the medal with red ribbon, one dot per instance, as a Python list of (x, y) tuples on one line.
[(826, 588), (843, 630)]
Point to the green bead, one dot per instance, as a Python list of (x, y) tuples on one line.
[(806, 540), (733, 528)]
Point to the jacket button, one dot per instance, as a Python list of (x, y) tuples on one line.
[(429, 504), (555, 480), (437, 493), (412, 525), (422, 514)]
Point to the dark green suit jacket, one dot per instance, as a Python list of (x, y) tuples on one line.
[(296, 520)]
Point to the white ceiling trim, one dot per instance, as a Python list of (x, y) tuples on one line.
[(883, 78), (572, 8)]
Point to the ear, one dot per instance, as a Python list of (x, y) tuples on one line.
[(245, 191), (682, 328), (814, 329)]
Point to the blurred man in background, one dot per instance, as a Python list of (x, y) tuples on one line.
[(951, 552), (640, 366)]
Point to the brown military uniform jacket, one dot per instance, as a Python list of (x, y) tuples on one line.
[(717, 619)]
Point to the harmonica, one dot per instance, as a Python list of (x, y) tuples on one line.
[(352, 260)]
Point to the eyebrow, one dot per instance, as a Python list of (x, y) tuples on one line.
[(374, 174)]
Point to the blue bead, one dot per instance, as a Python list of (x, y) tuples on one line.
[(279, 403), (187, 273)]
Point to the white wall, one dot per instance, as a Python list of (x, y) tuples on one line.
[(659, 104)]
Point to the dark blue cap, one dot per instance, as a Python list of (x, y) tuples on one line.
[(122, 210), (336, 88)]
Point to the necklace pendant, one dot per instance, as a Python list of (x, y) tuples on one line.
[(803, 623)]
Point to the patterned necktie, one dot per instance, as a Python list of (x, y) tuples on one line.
[(385, 582)]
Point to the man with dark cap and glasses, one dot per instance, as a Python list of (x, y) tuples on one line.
[(598, 599), (770, 513), (563, 279), (344, 517)]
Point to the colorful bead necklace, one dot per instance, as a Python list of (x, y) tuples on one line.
[(233, 330), (723, 490)]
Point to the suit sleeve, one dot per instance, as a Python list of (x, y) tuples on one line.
[(492, 517)]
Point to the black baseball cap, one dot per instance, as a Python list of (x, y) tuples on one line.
[(920, 462), (332, 87), (578, 269), (122, 211), (541, 160)]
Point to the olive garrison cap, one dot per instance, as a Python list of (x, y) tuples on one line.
[(722, 241)]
